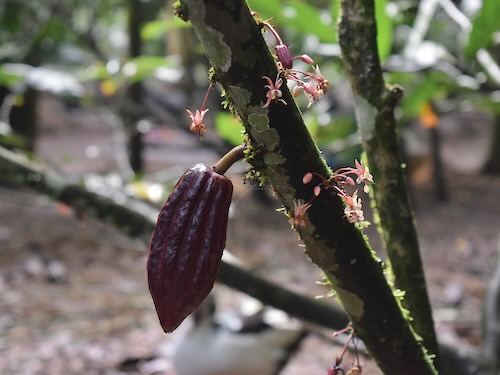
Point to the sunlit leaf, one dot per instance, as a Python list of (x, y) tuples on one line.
[(431, 87), (9, 78), (229, 128), (11, 140), (340, 127), (150, 191), (158, 28), (299, 15), (94, 72), (483, 27), (335, 12), (421, 93), (265, 8), (144, 66), (384, 30)]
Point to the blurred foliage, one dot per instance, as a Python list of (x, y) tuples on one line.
[(431, 48), (229, 128), (298, 15), (484, 27)]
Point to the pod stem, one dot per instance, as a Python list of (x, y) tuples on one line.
[(229, 159)]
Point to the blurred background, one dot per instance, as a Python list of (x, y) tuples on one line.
[(98, 91)]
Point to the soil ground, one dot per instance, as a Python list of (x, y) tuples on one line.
[(73, 292)]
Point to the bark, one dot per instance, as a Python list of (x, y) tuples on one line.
[(491, 322), (134, 92), (281, 149), (438, 173), (23, 119), (375, 104), (492, 165)]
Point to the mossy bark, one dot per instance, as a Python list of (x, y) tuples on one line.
[(375, 103), (281, 149)]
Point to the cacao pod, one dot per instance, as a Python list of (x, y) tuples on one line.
[(187, 243)]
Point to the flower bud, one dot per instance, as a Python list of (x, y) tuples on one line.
[(284, 56), (306, 58), (317, 190), (296, 91), (307, 178), (349, 181)]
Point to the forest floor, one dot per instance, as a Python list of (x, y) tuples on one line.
[(73, 291)]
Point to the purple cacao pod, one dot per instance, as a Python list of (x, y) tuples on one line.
[(187, 244)]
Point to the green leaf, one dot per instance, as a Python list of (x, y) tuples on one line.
[(299, 15), (384, 30), (430, 87), (94, 72), (489, 103), (341, 126), (335, 13), (8, 78), (483, 27), (145, 66), (10, 17), (229, 128), (156, 29), (12, 141)]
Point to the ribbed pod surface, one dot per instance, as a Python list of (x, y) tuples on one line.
[(187, 243)]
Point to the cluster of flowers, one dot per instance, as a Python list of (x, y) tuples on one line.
[(338, 180), (314, 85)]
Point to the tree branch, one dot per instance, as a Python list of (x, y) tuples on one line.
[(281, 149)]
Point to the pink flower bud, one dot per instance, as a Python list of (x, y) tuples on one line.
[(306, 58), (284, 56), (307, 178), (317, 190), (349, 181), (296, 91)]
